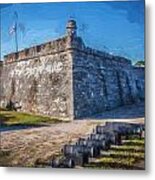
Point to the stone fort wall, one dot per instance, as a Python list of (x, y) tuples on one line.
[(102, 81), (66, 79), (39, 79)]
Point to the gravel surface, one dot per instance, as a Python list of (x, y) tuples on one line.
[(25, 146)]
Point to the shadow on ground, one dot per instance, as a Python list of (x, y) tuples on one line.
[(124, 112)]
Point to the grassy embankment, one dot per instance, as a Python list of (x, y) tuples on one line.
[(130, 155), (13, 118)]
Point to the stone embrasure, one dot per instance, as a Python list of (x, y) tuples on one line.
[(64, 78)]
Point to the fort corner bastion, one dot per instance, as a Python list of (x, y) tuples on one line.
[(65, 79)]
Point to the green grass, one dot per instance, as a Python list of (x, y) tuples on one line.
[(128, 148), (134, 142), (125, 156), (9, 118), (113, 163)]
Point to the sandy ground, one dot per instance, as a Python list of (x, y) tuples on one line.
[(28, 145)]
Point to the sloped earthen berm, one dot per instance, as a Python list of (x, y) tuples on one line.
[(66, 79)]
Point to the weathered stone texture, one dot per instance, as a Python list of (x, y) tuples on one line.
[(101, 82), (64, 78), (140, 81), (40, 84), (1, 67)]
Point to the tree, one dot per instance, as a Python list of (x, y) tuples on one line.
[(140, 63)]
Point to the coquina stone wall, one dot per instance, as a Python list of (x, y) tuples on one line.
[(39, 79), (102, 81), (140, 81), (1, 67), (66, 79)]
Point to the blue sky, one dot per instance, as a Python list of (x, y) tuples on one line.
[(117, 27)]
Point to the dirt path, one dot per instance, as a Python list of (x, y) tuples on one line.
[(27, 145)]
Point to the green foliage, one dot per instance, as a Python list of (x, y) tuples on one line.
[(140, 63)]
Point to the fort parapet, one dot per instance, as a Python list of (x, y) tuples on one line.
[(61, 45), (51, 47)]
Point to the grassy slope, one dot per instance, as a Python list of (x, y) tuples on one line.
[(9, 118), (122, 157)]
